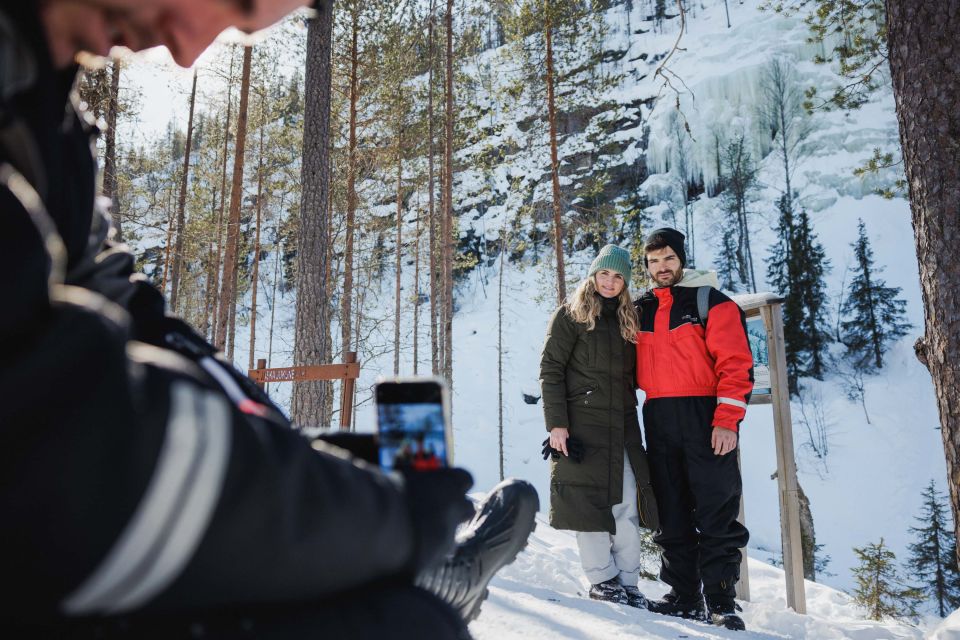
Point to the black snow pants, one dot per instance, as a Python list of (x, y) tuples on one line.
[(698, 496), (399, 612)]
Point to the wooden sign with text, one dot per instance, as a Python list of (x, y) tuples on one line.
[(348, 371)]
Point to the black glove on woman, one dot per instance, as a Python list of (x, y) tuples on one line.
[(574, 449)]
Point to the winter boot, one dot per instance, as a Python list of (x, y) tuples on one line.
[(687, 607), (492, 540), (635, 598), (723, 613), (609, 591)]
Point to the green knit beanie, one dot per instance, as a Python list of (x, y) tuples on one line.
[(613, 258)]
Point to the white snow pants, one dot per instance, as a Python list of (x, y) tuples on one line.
[(606, 556)]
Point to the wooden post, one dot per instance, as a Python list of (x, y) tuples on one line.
[(261, 364), (743, 585), (786, 464), (346, 395)]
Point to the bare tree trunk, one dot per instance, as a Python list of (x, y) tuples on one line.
[(554, 163), (182, 203), (212, 269), (434, 285), (399, 243), (216, 338), (226, 321), (312, 328), (503, 250), (346, 314), (924, 57), (110, 152), (256, 250), (416, 293), (166, 249), (448, 239), (326, 408), (441, 283)]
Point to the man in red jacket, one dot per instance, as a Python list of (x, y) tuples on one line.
[(695, 366)]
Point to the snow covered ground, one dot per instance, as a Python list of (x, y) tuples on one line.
[(543, 595)]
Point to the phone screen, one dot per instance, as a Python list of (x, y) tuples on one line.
[(411, 425)]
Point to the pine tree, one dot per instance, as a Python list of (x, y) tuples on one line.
[(875, 316), (796, 267), (727, 259), (880, 589), (812, 266), (932, 560)]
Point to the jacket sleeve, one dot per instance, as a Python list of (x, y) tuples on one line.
[(131, 482), (557, 348), (726, 337)]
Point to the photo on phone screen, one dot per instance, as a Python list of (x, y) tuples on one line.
[(411, 425)]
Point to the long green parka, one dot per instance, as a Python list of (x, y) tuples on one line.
[(588, 384)]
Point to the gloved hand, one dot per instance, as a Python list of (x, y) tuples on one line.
[(438, 503), (574, 449)]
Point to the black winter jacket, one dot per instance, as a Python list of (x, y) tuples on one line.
[(587, 380), (131, 476)]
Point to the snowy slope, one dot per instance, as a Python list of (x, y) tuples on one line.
[(542, 595)]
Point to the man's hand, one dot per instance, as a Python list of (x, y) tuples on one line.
[(723, 441), (558, 439)]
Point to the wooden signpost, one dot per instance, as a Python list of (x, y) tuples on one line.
[(347, 371), (771, 388)]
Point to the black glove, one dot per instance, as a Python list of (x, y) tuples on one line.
[(574, 449), (438, 504)]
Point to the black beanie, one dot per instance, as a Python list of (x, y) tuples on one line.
[(674, 240)]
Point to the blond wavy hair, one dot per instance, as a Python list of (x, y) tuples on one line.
[(584, 307)]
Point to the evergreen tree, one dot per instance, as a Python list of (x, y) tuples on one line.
[(932, 560), (875, 316), (812, 266), (880, 589), (796, 267), (953, 572), (727, 259)]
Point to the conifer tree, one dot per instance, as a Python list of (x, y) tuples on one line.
[(781, 276), (810, 287), (953, 575), (932, 559), (880, 589), (796, 267), (874, 314), (727, 260)]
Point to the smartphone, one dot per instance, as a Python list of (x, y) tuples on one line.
[(413, 424)]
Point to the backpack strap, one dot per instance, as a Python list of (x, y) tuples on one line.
[(703, 304)]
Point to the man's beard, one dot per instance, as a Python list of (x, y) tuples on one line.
[(675, 277)]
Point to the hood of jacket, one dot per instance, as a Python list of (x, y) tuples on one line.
[(699, 278)]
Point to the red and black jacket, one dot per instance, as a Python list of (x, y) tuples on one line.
[(677, 356)]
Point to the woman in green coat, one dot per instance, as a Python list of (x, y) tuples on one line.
[(587, 375)]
